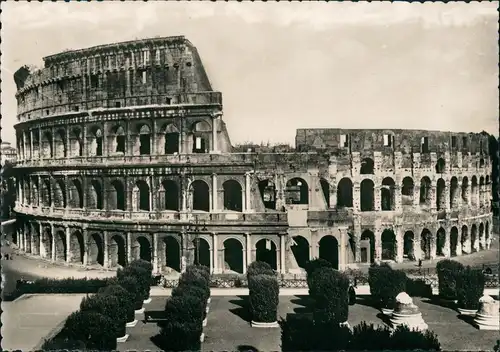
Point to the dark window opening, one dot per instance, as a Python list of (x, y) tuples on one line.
[(76, 108), (145, 147), (453, 141), (120, 144), (464, 142), (424, 145), (47, 112), (99, 146), (199, 145), (344, 141), (118, 104), (171, 143), (168, 100)]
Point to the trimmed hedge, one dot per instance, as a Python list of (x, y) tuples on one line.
[(385, 284), (109, 306), (200, 269), (131, 284), (264, 298), (470, 288), (125, 299), (418, 288), (259, 268), (182, 329), (69, 285), (303, 334), (331, 296), (447, 271), (197, 279), (312, 266), (142, 276), (92, 328)]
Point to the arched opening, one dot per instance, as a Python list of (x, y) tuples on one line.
[(409, 245), (351, 256), (329, 250), (487, 235), (266, 252), (425, 243), (60, 143), (13, 237), (96, 250), (47, 151), (233, 255), (440, 194), (47, 193), (96, 142), (35, 249), (118, 145), (60, 246), (47, 243), (297, 191), (199, 135), (142, 195), (367, 246), (201, 252), (77, 247), (172, 250), (464, 240), (95, 197), (344, 193), (481, 191), (143, 249), (481, 163), (59, 194), (76, 194), (481, 236), (453, 192), (232, 195), (387, 198), (117, 252), (171, 144), (453, 241), (440, 166), (268, 193), (367, 167), (169, 195), (300, 250), (144, 140), (407, 191), (388, 245), (117, 198), (473, 238), (367, 195), (28, 242), (440, 242), (35, 196), (200, 195), (325, 187), (425, 191), (465, 189), (75, 140), (474, 191)]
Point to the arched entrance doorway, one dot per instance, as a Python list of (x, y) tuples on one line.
[(297, 191), (201, 252), (481, 236), (233, 199), (266, 252), (172, 251), (388, 245), (425, 244), (473, 238), (409, 245), (96, 250), (329, 250), (77, 247), (233, 255), (367, 195), (117, 252), (441, 242), (367, 246), (465, 241), (453, 241), (60, 246), (142, 249), (300, 250), (200, 196)]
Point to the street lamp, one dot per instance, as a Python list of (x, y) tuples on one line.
[(196, 227)]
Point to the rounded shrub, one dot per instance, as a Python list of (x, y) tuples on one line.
[(447, 271), (403, 339), (130, 284), (183, 325), (95, 329), (264, 298), (201, 269), (259, 268), (195, 278), (370, 337), (331, 296), (125, 298), (141, 263), (296, 333), (108, 306), (142, 276), (385, 284), (470, 288), (311, 267)]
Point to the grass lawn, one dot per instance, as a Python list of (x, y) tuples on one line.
[(229, 329)]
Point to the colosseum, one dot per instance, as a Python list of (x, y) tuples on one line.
[(123, 154)]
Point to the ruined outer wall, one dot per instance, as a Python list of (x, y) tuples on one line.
[(143, 72)]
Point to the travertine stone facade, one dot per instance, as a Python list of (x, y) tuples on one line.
[(123, 154)]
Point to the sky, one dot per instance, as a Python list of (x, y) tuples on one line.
[(282, 66)]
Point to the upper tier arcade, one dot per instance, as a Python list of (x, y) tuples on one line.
[(156, 71)]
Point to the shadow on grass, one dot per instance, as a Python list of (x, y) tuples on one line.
[(243, 311), (437, 302), (366, 300), (385, 319), (304, 301), (158, 341), (247, 348), (469, 319)]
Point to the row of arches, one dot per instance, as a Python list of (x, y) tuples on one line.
[(62, 143)]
